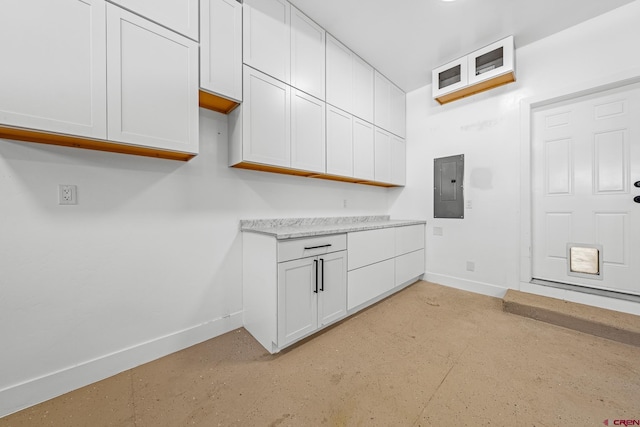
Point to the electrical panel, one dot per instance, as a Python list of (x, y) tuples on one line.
[(448, 189)]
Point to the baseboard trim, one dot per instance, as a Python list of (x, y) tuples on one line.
[(31, 392), (466, 285)]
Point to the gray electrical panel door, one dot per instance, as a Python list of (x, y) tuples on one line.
[(448, 197)]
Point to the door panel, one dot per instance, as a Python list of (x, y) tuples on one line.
[(585, 158), (332, 298), (297, 301)]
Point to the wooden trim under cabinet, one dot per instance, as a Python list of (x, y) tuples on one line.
[(216, 103), (28, 135), (477, 88), (287, 171)]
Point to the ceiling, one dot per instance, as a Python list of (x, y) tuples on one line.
[(406, 39)]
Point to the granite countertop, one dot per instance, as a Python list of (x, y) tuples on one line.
[(291, 228)]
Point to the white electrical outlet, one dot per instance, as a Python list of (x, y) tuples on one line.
[(67, 194), (469, 204), (344, 203), (471, 266), (437, 231)]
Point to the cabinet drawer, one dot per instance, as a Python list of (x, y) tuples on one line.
[(369, 282), (306, 247), (409, 239), (371, 246), (409, 266)]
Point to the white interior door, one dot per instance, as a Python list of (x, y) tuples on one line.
[(585, 161)]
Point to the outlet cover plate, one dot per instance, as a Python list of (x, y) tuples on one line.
[(67, 194)]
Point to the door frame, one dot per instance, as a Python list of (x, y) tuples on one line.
[(527, 106)]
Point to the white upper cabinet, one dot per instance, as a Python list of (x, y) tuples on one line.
[(484, 69), (152, 77), (491, 61), (389, 106), (450, 77), (221, 47), (383, 162), (362, 94), (266, 37), (350, 81), (339, 74), (180, 16), (339, 142), (382, 102), (307, 132), (398, 161), (363, 150), (307, 55), (397, 112), (53, 72), (266, 120)]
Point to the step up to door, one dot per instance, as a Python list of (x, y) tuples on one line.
[(613, 325)]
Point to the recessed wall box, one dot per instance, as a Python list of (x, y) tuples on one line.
[(484, 69)]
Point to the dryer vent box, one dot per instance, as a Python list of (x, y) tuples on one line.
[(448, 189)]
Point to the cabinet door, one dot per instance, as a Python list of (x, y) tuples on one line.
[(367, 283), (307, 55), (398, 111), (152, 80), (409, 239), (297, 299), (449, 77), (409, 266), (339, 142), (266, 37), (221, 47), (363, 150), (307, 132), (398, 161), (266, 121), (332, 295), (180, 16), (53, 72), (382, 155), (382, 102), (491, 61), (339, 74), (362, 93), (370, 246)]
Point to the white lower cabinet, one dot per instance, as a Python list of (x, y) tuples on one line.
[(292, 288), (381, 260), (295, 287), (311, 294), (409, 266), (367, 283)]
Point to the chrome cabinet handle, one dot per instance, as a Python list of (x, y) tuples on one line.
[(322, 283)]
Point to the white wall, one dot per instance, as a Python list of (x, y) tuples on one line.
[(486, 129), (147, 263)]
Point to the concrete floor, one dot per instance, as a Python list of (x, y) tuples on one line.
[(427, 356)]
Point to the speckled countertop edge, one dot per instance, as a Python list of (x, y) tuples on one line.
[(291, 228)]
